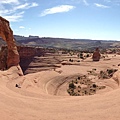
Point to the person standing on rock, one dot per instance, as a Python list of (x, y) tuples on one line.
[(96, 55)]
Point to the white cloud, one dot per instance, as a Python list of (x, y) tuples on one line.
[(14, 17), (23, 6), (100, 5), (26, 6), (85, 2), (21, 27), (9, 1), (34, 4), (3, 11), (14, 12), (57, 9)]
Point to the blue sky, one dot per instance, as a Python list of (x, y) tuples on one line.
[(84, 19)]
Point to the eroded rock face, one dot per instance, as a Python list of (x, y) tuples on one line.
[(7, 34), (96, 55)]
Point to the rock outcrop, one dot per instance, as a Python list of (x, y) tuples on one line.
[(7, 35), (96, 55)]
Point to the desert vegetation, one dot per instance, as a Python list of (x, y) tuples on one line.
[(83, 86)]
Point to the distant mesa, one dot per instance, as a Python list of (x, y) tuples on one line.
[(66, 43), (30, 36)]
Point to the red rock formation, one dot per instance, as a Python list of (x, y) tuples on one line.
[(96, 55), (7, 34)]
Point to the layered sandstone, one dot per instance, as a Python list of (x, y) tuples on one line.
[(7, 35)]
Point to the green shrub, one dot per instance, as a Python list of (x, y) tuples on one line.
[(71, 85)]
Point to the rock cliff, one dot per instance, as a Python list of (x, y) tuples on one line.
[(7, 35)]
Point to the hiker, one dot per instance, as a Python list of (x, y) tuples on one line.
[(96, 55)]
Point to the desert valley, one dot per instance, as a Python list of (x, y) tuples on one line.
[(54, 79)]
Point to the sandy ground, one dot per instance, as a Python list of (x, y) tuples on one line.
[(43, 95)]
